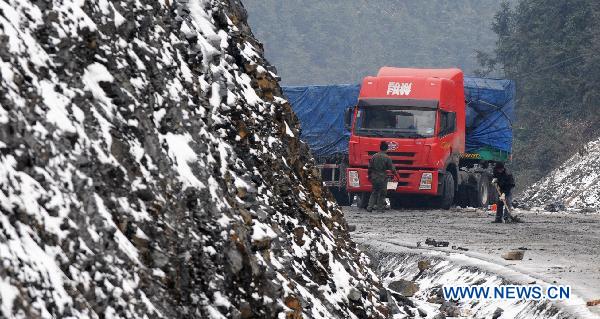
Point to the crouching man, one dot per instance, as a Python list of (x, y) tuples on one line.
[(379, 164), (505, 182)]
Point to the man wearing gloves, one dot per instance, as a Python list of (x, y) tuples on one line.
[(506, 183)]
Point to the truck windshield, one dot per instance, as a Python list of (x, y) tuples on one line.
[(389, 121)]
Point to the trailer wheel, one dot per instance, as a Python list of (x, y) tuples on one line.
[(480, 196), (446, 198), (342, 197), (363, 200)]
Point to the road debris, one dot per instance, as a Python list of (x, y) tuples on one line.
[(423, 265), (497, 313), (435, 243), (514, 255), (450, 309), (593, 303), (406, 288)]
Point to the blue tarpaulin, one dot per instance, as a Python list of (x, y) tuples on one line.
[(321, 108), (490, 113)]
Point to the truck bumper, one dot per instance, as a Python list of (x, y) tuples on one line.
[(409, 181)]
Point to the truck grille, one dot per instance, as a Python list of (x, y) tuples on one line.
[(402, 162)]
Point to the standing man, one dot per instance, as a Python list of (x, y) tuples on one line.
[(506, 183), (379, 164)]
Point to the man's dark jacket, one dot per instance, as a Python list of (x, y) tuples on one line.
[(506, 181), (378, 165)]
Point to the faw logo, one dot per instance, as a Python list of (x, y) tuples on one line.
[(399, 88), (392, 146)]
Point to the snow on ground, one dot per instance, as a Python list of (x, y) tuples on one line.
[(559, 247), (574, 186), (460, 270)]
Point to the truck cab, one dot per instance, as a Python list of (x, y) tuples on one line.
[(420, 113)]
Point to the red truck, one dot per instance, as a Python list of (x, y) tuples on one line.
[(444, 133), (420, 113)]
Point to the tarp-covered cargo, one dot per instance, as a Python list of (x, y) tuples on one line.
[(490, 113), (320, 109)]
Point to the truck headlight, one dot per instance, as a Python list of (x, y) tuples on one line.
[(426, 181), (353, 179)]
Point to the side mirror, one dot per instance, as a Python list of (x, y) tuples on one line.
[(348, 118)]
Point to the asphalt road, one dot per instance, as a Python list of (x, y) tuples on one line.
[(560, 248)]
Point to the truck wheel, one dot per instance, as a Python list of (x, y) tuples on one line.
[(342, 197), (445, 200), (363, 200), (481, 194)]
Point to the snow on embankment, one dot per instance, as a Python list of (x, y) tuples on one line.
[(149, 168), (574, 185), (414, 285)]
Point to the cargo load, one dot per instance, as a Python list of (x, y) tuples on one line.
[(489, 115)]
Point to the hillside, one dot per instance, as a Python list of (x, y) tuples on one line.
[(319, 42), (574, 185), (150, 169), (550, 49)]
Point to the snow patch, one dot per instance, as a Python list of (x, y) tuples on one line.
[(182, 154), (92, 76)]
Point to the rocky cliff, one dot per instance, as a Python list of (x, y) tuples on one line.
[(150, 168), (574, 185)]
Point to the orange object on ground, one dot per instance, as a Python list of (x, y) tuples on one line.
[(493, 207)]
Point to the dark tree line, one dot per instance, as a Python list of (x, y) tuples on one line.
[(341, 41), (552, 50)]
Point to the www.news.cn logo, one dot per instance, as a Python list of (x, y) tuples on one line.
[(507, 292)]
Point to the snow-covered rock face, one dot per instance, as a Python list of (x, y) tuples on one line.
[(574, 185), (149, 168)]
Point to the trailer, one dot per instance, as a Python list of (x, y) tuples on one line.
[(320, 110)]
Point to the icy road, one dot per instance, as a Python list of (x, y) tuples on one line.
[(559, 248)]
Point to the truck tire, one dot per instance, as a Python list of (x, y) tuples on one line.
[(342, 197), (363, 200), (446, 198), (480, 195)]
